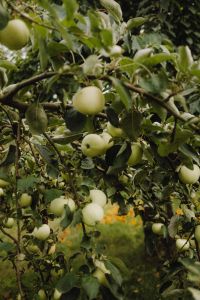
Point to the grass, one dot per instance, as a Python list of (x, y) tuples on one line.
[(121, 238)]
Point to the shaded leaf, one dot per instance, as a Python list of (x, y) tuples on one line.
[(66, 283), (113, 8), (91, 286), (74, 120), (131, 124), (122, 92)]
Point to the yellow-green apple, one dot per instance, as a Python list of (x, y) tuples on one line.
[(114, 131), (157, 228), (89, 100), (92, 214), (136, 154), (42, 232), (189, 176), (25, 200), (57, 206), (98, 196), (93, 145), (15, 35)]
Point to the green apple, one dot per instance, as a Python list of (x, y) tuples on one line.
[(182, 245), (89, 100), (57, 295), (98, 197), (42, 233), (157, 228), (189, 176), (107, 139), (57, 206), (115, 51), (197, 233), (25, 200), (9, 223), (15, 35), (1, 192), (33, 249), (42, 294), (92, 214), (100, 275), (136, 154), (114, 131), (93, 145), (3, 183)]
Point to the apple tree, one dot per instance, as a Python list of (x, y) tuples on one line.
[(91, 113)]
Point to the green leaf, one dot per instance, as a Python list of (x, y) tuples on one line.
[(131, 124), (87, 164), (66, 139), (9, 158), (71, 7), (188, 151), (8, 65), (185, 59), (24, 184), (157, 59), (112, 116), (68, 217), (128, 65), (113, 8), (7, 247), (114, 272), (74, 120), (77, 217), (122, 92), (66, 283), (91, 286), (135, 22), (106, 37), (52, 194), (175, 221), (156, 84), (4, 17), (195, 293), (119, 160), (36, 118)]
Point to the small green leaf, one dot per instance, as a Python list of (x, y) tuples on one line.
[(122, 92), (114, 272), (36, 118), (74, 120), (185, 59), (52, 194), (106, 37), (68, 217), (66, 283), (9, 158), (71, 7), (7, 247), (24, 184), (135, 22), (118, 162), (91, 286), (131, 124), (156, 84), (4, 17), (112, 116)]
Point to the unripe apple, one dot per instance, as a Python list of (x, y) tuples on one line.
[(3, 183), (42, 233), (107, 139), (9, 223), (15, 35), (92, 213), (98, 197), (1, 192), (57, 295), (197, 233), (52, 249), (89, 100), (25, 200), (189, 176), (100, 275), (33, 249), (116, 51), (93, 145), (57, 206), (157, 228), (114, 131), (182, 244), (42, 294), (136, 154)]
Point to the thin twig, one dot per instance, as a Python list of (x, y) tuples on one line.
[(27, 17)]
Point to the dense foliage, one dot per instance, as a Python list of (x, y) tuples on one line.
[(93, 102)]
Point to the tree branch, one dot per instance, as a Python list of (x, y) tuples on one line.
[(152, 98)]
